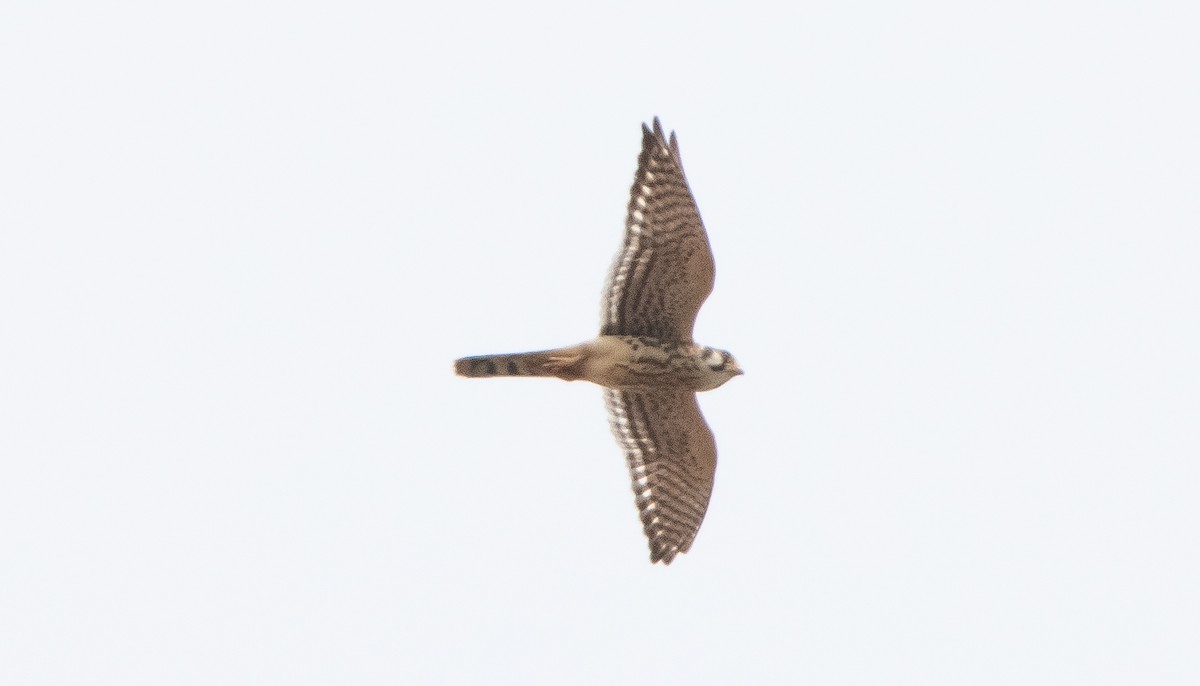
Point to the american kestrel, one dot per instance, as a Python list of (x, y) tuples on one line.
[(644, 356)]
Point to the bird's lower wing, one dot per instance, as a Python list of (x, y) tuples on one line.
[(672, 458)]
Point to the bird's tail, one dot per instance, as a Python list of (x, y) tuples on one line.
[(541, 363)]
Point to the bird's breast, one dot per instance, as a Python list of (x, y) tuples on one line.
[(643, 363)]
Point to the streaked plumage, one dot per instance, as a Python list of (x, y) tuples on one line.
[(645, 357), (672, 459), (664, 271)]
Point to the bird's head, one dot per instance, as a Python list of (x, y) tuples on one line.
[(721, 366)]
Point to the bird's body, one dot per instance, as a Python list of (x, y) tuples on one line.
[(645, 357), (622, 363)]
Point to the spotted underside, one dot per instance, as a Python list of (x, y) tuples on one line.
[(645, 356), (658, 281)]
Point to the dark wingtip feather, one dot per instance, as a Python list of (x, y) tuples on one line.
[(658, 131), (671, 143), (662, 553)]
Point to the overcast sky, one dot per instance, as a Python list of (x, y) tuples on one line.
[(241, 244)]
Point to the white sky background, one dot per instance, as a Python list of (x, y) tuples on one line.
[(241, 244)]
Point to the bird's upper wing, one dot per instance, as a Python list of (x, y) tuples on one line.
[(664, 271), (672, 459)]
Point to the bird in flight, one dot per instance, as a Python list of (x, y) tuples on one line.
[(645, 357)]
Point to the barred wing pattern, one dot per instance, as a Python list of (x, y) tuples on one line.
[(664, 271), (672, 458)]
